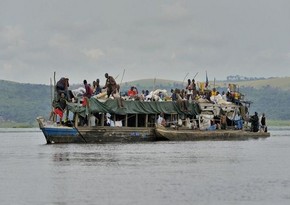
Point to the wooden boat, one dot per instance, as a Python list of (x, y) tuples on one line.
[(137, 119), (186, 134), (104, 134)]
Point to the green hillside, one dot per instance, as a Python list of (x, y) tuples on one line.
[(20, 103)]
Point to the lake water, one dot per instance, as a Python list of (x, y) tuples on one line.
[(204, 172)]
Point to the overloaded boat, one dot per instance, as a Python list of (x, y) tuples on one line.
[(104, 120), (134, 122), (207, 124)]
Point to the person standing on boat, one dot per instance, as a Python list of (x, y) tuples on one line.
[(254, 122), (88, 88), (188, 89), (238, 121), (62, 87), (263, 123), (173, 95), (111, 84)]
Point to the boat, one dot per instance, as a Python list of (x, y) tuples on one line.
[(90, 134), (119, 120), (186, 134), (133, 122)]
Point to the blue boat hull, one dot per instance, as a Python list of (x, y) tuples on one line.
[(97, 134)]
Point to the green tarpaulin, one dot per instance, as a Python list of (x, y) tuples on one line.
[(134, 107)]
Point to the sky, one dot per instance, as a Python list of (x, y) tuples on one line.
[(137, 39)]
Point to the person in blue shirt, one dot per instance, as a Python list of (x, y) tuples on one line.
[(238, 121), (98, 87)]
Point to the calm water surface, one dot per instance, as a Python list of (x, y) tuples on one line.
[(205, 172)]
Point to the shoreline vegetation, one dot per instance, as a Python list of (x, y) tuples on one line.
[(19, 107)]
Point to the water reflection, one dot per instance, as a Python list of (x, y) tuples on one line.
[(85, 158)]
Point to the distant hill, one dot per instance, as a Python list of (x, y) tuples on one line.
[(23, 102), (274, 82), (279, 83)]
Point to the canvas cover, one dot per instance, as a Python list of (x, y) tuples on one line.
[(133, 107)]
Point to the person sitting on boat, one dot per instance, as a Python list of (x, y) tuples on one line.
[(212, 126), (181, 102), (109, 121), (148, 96), (190, 123), (214, 92), (142, 95), (98, 88), (93, 87), (132, 92), (161, 96), (161, 120), (59, 107), (216, 98)]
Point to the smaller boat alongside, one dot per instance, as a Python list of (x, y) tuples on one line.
[(186, 134)]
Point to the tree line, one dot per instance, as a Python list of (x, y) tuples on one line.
[(22, 103)]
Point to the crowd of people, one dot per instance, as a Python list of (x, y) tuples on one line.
[(191, 93), (111, 89)]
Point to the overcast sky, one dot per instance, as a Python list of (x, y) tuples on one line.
[(84, 39)]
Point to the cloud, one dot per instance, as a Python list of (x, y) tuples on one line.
[(7, 67), (175, 11), (12, 37), (94, 54), (158, 38), (60, 41)]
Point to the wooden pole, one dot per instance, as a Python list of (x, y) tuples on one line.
[(184, 79)]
